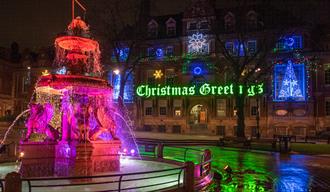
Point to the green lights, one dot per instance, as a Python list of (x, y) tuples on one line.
[(206, 89)]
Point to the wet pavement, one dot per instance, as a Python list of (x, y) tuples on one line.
[(266, 171)]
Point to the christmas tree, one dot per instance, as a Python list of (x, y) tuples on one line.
[(290, 87)]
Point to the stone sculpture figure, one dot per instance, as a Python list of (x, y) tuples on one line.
[(38, 121), (106, 124)]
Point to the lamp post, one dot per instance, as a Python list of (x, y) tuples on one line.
[(258, 118)]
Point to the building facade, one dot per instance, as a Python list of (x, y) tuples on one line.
[(296, 100), (19, 73)]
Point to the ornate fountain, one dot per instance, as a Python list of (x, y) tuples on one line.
[(71, 129)]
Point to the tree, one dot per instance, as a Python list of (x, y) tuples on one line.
[(121, 29), (242, 63)]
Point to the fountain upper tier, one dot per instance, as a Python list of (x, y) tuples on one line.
[(77, 51), (55, 84)]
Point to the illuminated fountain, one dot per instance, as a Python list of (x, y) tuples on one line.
[(71, 129)]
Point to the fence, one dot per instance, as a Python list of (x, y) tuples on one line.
[(171, 179), (201, 158)]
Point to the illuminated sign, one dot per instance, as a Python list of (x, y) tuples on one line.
[(205, 89)]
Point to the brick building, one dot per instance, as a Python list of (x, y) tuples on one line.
[(296, 101)]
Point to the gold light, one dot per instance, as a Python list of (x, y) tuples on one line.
[(158, 74), (44, 73)]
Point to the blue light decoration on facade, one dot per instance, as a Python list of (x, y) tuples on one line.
[(197, 70), (289, 82), (241, 50), (198, 44), (122, 54), (159, 53), (290, 43), (128, 89)]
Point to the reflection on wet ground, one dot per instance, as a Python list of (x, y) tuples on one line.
[(263, 171)]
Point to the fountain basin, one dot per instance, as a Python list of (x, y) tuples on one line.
[(42, 159), (135, 174)]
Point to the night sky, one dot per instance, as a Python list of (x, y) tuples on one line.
[(35, 23)]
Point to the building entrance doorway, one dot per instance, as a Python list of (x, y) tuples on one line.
[(198, 119)]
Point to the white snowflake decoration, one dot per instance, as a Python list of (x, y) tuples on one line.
[(197, 42)]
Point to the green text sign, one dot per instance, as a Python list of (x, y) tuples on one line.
[(205, 89)]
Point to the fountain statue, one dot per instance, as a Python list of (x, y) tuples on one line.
[(71, 129)]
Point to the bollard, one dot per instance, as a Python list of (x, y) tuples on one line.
[(160, 149), (189, 176), (13, 182), (206, 157)]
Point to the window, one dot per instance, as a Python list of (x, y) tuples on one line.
[(177, 112), (253, 131), (230, 47), (252, 47), (192, 25), (151, 52), (122, 54), (204, 25), (229, 21), (151, 81), (327, 74), (290, 43), (327, 107), (177, 105), (198, 43), (195, 25), (289, 82), (26, 83), (299, 131), (147, 128), (162, 110), (159, 53), (171, 27), (252, 20), (153, 29), (150, 77), (221, 107), (162, 128), (148, 111), (128, 89), (221, 130), (236, 49), (171, 31), (254, 110), (176, 129), (169, 77), (169, 51), (169, 80)]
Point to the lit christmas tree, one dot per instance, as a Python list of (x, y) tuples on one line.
[(290, 87)]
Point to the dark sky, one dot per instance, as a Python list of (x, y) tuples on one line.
[(34, 23)]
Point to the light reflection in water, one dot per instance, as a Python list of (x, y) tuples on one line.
[(293, 175), (265, 172)]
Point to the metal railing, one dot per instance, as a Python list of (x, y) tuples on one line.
[(203, 163), (2, 181), (119, 179)]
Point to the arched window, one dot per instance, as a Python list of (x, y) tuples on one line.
[(229, 21), (171, 27), (251, 17), (152, 28)]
